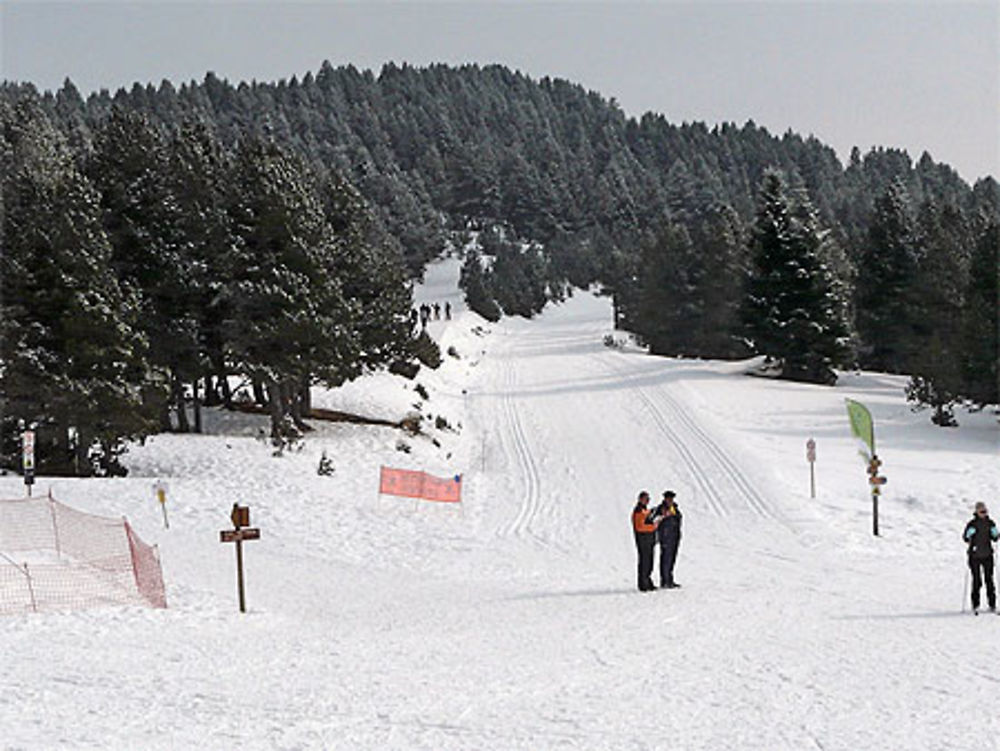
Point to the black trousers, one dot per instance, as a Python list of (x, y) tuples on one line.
[(982, 569), (668, 557), (644, 543)]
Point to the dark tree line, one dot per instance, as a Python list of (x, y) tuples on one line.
[(562, 189), (148, 267)]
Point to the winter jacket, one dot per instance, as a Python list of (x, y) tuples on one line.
[(980, 533), (670, 521), (642, 520)]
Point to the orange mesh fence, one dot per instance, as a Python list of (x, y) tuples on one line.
[(414, 484), (146, 566), (53, 557)]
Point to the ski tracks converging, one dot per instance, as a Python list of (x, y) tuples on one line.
[(719, 478)]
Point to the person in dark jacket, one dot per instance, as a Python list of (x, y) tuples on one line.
[(980, 534), (668, 534), (644, 529)]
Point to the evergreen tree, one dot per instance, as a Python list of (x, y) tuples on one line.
[(666, 308), (791, 310), (291, 323), (981, 337), (198, 169), (373, 277), (517, 275), (885, 301), (151, 253), (720, 265), (936, 361), (73, 358), (474, 281)]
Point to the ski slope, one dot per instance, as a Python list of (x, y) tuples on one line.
[(513, 622)]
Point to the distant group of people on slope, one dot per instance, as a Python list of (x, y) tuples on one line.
[(980, 534), (429, 311), (660, 525)]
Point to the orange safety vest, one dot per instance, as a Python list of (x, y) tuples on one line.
[(640, 520)]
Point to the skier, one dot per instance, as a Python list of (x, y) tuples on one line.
[(644, 528), (980, 533), (447, 311), (668, 533)]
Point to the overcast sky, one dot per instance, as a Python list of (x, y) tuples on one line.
[(916, 75)]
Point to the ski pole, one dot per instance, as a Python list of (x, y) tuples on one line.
[(965, 588)]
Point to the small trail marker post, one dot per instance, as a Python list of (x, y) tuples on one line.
[(241, 521), (160, 488), (876, 481), (28, 457), (811, 456)]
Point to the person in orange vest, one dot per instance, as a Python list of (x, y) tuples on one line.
[(644, 523)]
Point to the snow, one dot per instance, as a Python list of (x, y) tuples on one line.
[(513, 621)]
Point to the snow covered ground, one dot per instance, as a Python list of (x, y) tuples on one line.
[(512, 622)]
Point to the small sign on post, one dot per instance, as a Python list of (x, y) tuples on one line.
[(28, 458), (876, 481), (811, 456), (240, 517)]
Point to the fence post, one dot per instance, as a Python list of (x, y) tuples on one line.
[(31, 590), (55, 526)]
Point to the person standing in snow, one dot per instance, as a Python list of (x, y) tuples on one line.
[(644, 529), (980, 534), (668, 533)]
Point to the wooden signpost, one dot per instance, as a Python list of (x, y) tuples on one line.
[(876, 481), (28, 458), (241, 521)]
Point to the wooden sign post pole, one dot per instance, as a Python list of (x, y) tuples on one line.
[(239, 574), (241, 519)]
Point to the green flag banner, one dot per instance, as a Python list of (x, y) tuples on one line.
[(862, 425)]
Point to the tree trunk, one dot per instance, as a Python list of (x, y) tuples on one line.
[(81, 462), (298, 398), (211, 392), (275, 406), (197, 406), (227, 393), (179, 406), (258, 391), (305, 395), (166, 424)]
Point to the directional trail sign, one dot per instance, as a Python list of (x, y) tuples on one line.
[(240, 517), (238, 535)]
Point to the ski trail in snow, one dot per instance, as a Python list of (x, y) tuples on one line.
[(716, 505), (520, 526), (730, 469), (695, 446)]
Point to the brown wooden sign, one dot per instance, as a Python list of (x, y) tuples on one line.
[(240, 516), (236, 535)]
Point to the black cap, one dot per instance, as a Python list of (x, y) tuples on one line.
[(669, 494)]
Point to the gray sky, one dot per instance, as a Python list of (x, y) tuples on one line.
[(916, 75)]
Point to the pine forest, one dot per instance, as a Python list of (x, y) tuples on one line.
[(160, 244)]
